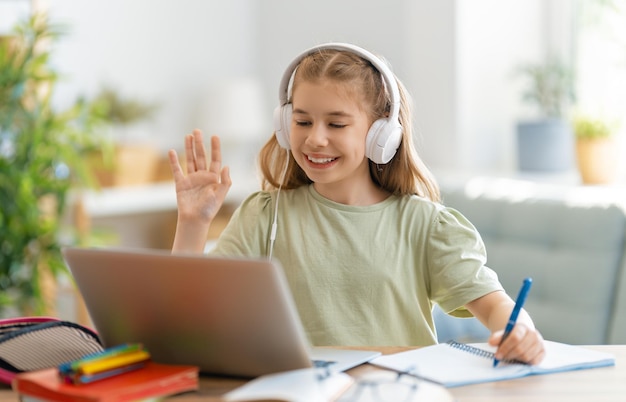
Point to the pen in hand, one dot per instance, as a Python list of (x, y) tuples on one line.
[(519, 303)]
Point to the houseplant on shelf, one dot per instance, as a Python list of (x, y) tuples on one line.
[(40, 159), (545, 144), (596, 149), (128, 162)]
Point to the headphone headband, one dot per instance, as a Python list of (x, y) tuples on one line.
[(383, 69)]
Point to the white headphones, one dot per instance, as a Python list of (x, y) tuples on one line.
[(383, 137)]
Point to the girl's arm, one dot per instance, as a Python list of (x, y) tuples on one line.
[(200, 193), (524, 342)]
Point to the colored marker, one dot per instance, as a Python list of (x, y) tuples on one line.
[(71, 366), (96, 366)]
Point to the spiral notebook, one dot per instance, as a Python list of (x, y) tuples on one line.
[(454, 364)]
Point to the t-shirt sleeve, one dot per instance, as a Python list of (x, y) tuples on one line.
[(456, 263), (247, 233)]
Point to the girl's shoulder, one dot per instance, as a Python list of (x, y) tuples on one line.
[(263, 201), (255, 204), (419, 204), (264, 197), (436, 211)]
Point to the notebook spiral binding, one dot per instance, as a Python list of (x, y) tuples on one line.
[(471, 349), (478, 351)]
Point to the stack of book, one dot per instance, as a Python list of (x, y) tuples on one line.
[(122, 373)]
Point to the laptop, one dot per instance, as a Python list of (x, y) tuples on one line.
[(228, 316)]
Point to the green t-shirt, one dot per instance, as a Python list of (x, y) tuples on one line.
[(365, 275)]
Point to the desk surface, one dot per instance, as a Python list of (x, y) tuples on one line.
[(606, 384)]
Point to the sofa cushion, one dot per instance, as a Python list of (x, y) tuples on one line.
[(617, 326)]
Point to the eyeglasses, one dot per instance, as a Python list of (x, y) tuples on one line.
[(385, 386)]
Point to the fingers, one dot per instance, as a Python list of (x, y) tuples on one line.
[(216, 155), (177, 171), (535, 354), (190, 154), (196, 153), (199, 150), (523, 343), (225, 178)]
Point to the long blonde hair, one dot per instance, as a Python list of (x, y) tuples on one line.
[(405, 174)]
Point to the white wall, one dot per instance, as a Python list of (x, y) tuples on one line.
[(494, 37), (170, 52), (455, 57), (430, 75)]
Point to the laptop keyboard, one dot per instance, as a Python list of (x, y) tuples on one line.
[(323, 363)]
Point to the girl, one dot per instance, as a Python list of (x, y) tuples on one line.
[(351, 213)]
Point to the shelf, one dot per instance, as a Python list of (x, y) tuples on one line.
[(157, 197)]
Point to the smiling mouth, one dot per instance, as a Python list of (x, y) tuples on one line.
[(320, 161)]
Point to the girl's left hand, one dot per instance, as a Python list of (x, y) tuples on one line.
[(523, 343)]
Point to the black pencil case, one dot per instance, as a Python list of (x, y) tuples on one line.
[(35, 343)]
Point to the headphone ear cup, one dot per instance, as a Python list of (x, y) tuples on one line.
[(383, 140), (282, 122)]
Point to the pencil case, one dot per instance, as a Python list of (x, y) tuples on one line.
[(35, 343)]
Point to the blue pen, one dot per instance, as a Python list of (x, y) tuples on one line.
[(519, 303)]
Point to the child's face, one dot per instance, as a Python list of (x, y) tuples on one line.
[(328, 132)]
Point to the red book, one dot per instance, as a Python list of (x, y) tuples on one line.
[(152, 381)]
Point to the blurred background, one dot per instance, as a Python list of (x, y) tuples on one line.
[(482, 74), (458, 60)]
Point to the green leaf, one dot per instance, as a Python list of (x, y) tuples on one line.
[(36, 138)]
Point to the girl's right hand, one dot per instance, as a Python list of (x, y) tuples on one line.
[(201, 192)]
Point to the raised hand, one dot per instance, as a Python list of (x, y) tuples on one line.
[(200, 193)]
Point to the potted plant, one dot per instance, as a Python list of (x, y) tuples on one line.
[(545, 144), (40, 159), (596, 149), (127, 162)]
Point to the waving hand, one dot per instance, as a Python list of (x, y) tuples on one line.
[(200, 193)]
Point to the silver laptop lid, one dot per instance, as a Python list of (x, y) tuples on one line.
[(229, 316)]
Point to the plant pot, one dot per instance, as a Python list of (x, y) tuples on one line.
[(132, 165), (545, 145), (597, 160)]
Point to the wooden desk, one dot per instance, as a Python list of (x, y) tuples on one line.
[(606, 384)]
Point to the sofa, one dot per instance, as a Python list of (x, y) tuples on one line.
[(570, 239)]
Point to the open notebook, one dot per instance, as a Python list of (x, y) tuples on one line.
[(454, 364)]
